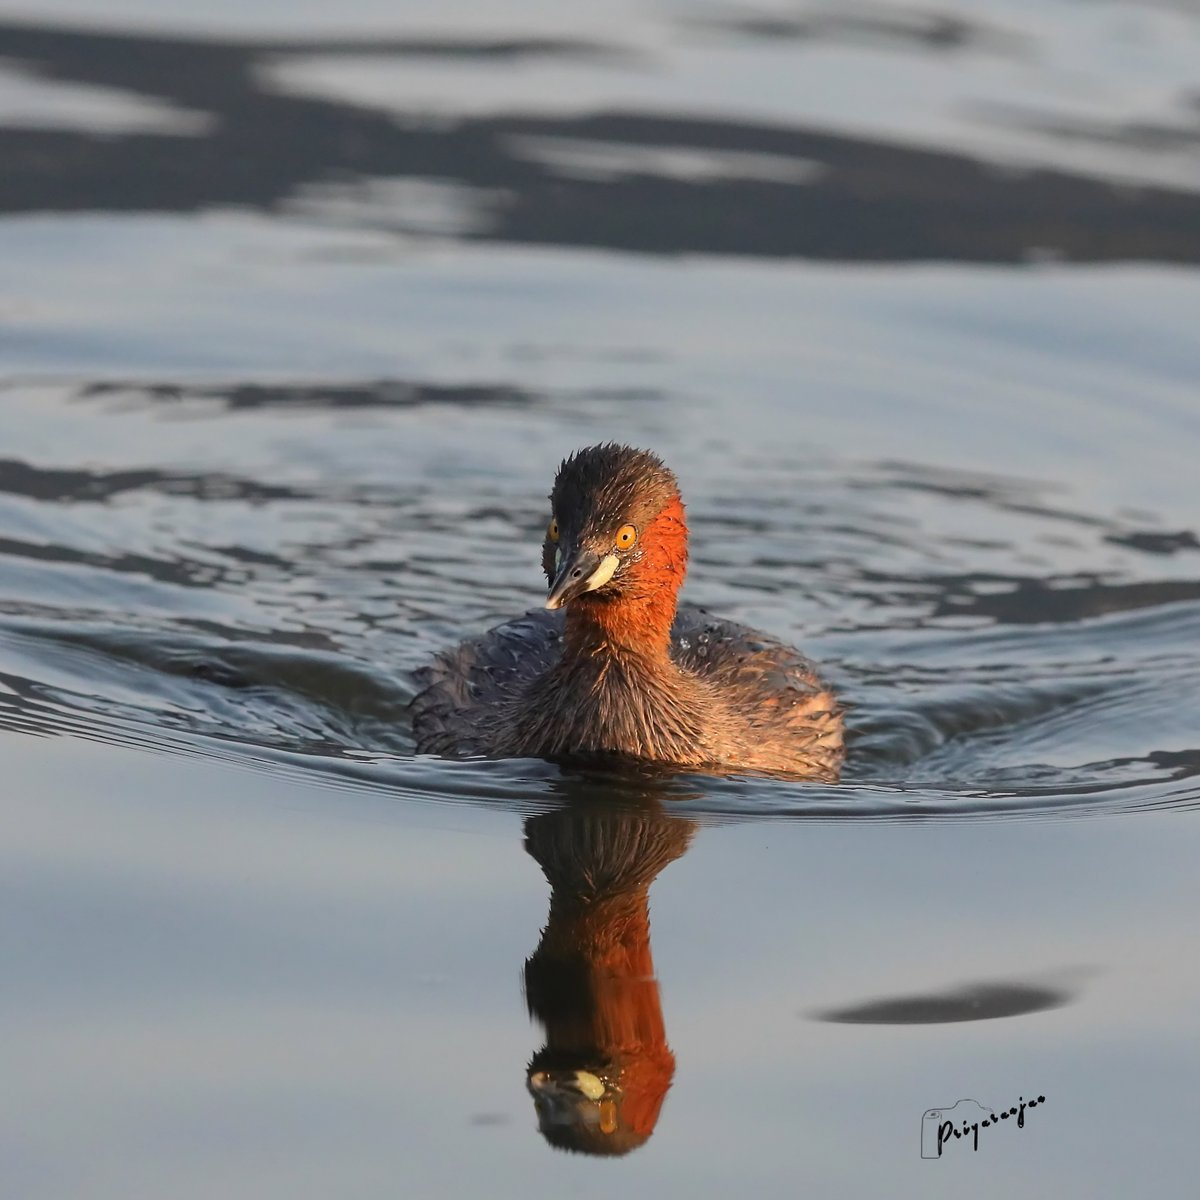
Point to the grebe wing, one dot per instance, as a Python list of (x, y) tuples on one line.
[(459, 687), (733, 655), (772, 685)]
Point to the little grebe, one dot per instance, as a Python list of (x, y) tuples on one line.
[(621, 672)]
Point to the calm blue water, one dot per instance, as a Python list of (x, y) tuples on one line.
[(298, 313)]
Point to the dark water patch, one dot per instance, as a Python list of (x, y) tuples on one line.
[(176, 572), (314, 700), (383, 394), (1006, 494), (1038, 601), (869, 199), (253, 558), (870, 24), (1151, 542), (1144, 136), (894, 735), (96, 487), (380, 393), (96, 55), (969, 1002)]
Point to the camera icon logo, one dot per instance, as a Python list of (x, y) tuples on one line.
[(939, 1126)]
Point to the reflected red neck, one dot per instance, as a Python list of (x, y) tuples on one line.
[(639, 618)]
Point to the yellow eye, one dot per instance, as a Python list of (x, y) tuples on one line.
[(626, 536), (552, 530)]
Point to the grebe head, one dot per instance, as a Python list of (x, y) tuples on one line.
[(617, 529)]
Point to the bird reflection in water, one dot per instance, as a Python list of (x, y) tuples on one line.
[(599, 1082)]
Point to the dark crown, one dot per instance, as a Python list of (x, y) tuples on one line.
[(604, 486)]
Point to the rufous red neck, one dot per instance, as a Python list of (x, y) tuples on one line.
[(638, 619)]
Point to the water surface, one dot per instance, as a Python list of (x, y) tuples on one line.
[(296, 322)]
